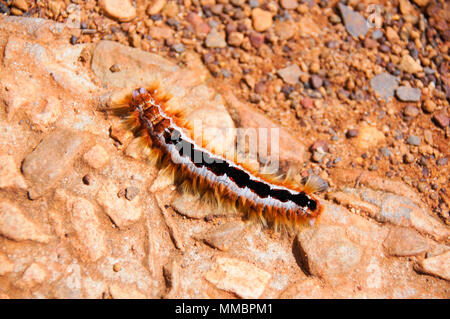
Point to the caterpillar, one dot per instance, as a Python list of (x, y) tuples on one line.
[(146, 113)]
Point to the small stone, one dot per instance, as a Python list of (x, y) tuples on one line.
[(96, 157), (256, 39), (354, 22), (413, 140), (49, 115), (428, 136), (438, 265), (87, 179), (352, 133), (428, 106), (16, 226), (155, 7), (307, 103), (200, 26), (6, 265), (262, 19), (422, 187), (318, 156), (411, 111), (402, 241), (289, 4), (320, 145), (316, 81), (328, 252), (223, 236), (10, 176), (216, 39), (50, 160), (163, 32), (33, 276), (73, 40), (235, 38), (239, 277), (89, 239), (290, 74), (121, 10), (370, 43), (384, 85), (314, 68), (131, 192), (408, 94), (441, 119), (408, 64), (392, 35), (386, 152)]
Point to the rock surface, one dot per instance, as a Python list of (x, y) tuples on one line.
[(100, 221)]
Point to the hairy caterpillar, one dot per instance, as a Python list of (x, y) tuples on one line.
[(145, 112)]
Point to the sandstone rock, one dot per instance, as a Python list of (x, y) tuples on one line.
[(50, 160), (438, 266), (285, 29), (384, 85), (155, 6), (125, 292), (408, 94), (16, 226), (49, 115), (403, 241), (188, 205), (90, 237), (33, 276), (239, 277), (223, 236), (408, 64), (369, 137), (354, 22), (6, 265), (328, 252), (10, 176), (96, 157), (289, 4), (122, 211), (121, 10), (200, 26), (216, 39), (262, 19), (161, 32)]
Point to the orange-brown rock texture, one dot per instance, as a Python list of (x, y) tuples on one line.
[(84, 215)]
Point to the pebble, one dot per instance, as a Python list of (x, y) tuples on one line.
[(239, 277), (368, 137), (123, 212), (413, 140), (408, 64), (121, 10), (355, 23), (20, 4), (200, 26), (438, 265), (223, 236), (256, 39), (50, 160), (284, 29), (408, 158), (352, 133), (90, 238), (289, 4), (386, 152), (428, 106), (408, 94), (235, 38), (155, 7), (411, 111), (262, 19), (441, 119), (16, 226), (290, 74), (114, 68), (402, 241), (216, 39), (33, 276), (384, 85), (10, 176)]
